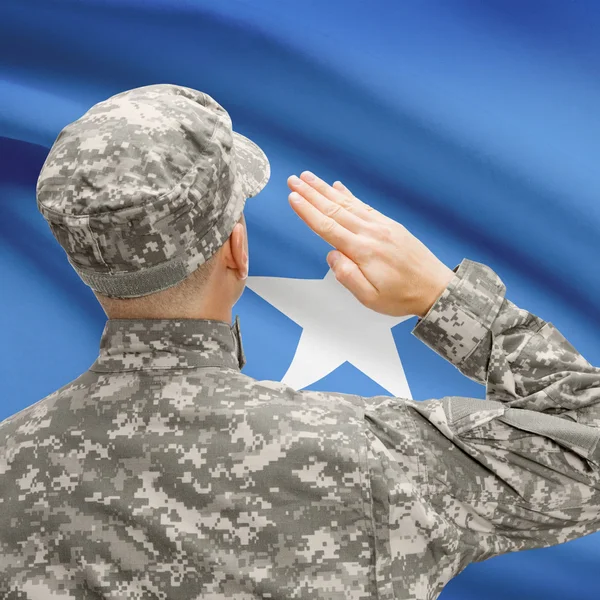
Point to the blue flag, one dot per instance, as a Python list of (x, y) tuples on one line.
[(474, 124)]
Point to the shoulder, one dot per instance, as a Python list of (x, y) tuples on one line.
[(267, 393), (46, 407)]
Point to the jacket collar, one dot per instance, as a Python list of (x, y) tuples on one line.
[(141, 344)]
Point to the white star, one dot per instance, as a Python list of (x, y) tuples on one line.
[(336, 328)]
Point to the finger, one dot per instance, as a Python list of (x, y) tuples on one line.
[(331, 209), (352, 278), (324, 226), (350, 202), (338, 185)]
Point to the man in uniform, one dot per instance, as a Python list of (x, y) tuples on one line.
[(163, 472)]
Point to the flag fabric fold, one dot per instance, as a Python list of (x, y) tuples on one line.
[(473, 124)]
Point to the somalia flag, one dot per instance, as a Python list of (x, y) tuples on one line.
[(475, 124)]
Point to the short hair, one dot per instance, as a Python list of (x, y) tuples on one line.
[(174, 299), (168, 300)]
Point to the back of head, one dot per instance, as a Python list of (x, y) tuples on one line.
[(179, 300), (144, 189)]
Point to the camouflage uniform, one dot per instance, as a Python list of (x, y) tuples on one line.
[(163, 472)]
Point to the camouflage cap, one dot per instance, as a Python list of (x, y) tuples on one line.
[(146, 186)]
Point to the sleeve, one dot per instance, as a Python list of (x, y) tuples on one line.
[(520, 469)]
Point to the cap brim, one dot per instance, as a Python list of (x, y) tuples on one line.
[(253, 168)]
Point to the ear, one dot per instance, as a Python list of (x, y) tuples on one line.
[(236, 255)]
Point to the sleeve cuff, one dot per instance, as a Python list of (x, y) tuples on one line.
[(462, 316)]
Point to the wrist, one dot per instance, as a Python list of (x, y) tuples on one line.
[(434, 290)]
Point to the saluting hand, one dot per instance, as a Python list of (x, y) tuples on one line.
[(386, 267)]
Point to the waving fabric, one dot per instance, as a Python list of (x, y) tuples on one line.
[(475, 124)]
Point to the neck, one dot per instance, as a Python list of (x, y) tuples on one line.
[(200, 307), (212, 313)]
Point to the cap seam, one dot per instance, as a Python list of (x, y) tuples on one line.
[(162, 198), (61, 215), (95, 239), (174, 258), (159, 199)]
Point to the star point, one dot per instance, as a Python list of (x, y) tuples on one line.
[(336, 328)]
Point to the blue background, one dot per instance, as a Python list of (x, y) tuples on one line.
[(474, 123)]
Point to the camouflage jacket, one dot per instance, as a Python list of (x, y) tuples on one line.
[(163, 472)]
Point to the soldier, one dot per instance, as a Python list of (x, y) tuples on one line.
[(163, 472)]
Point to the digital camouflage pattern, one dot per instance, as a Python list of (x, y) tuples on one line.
[(163, 472), (146, 186)]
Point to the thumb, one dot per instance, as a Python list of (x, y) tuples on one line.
[(351, 277)]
